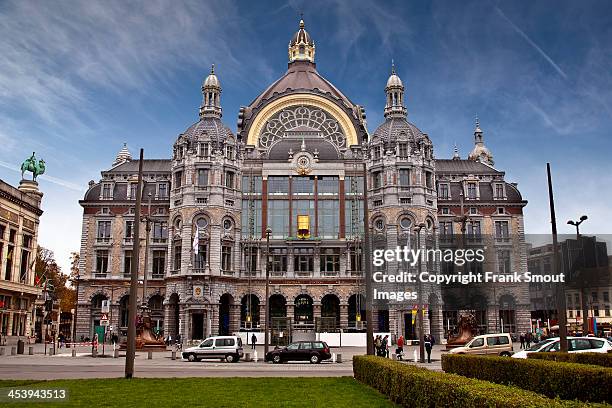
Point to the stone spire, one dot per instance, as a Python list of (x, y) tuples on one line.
[(456, 153), (395, 95), (211, 96), (301, 46), (123, 156)]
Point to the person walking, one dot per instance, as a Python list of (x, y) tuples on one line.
[(428, 347), (400, 347), (378, 345), (528, 339), (253, 341), (522, 340), (385, 346)]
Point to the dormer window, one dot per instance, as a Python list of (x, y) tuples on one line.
[(133, 188), (499, 191), (443, 191), (178, 179), (107, 191), (229, 152), (471, 191), (162, 190)]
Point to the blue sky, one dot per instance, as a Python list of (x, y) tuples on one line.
[(77, 79)]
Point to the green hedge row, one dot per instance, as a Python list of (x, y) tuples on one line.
[(598, 359), (568, 381), (412, 386)]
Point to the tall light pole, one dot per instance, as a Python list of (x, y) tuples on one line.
[(266, 335), (584, 291), (131, 342), (367, 251), (417, 231), (147, 220), (76, 309)]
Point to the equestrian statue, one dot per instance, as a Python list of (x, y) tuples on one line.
[(31, 165)]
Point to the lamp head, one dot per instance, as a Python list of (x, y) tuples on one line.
[(584, 217), (570, 222)]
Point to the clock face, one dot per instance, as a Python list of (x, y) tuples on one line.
[(303, 164)]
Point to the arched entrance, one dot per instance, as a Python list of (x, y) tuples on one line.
[(225, 306), (249, 312), (124, 306), (279, 324), (173, 315), (278, 306), (96, 315), (303, 311), (356, 312), (156, 308), (507, 314), (330, 313)]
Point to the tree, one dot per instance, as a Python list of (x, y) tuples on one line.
[(49, 273)]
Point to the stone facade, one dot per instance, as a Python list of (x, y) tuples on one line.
[(296, 166)]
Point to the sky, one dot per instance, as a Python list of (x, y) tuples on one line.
[(78, 79)]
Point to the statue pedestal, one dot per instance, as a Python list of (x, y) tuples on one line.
[(30, 187)]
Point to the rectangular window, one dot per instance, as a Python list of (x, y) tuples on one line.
[(201, 258), (129, 229), (303, 207), (594, 296), (302, 185), (329, 219), (2, 230), (327, 185), (446, 230), (377, 179), (127, 262), (576, 298), (107, 191), (162, 190), (160, 231), (205, 149), (303, 260), (355, 259), (606, 296), (159, 263), (429, 180), (104, 231), (353, 214), (229, 152), (278, 185), (403, 151), (279, 260), (471, 191), (8, 272), (404, 177), (503, 257), (202, 177), (229, 179), (101, 261), (25, 262), (226, 258), (443, 191), (330, 261), (250, 259), (499, 190), (133, 189), (178, 179), (177, 257), (473, 230), (251, 213), (249, 187), (353, 185), (278, 218), (501, 230)]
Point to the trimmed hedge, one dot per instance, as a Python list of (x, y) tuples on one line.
[(598, 359), (568, 381), (412, 386)]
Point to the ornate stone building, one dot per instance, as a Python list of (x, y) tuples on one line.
[(291, 178)]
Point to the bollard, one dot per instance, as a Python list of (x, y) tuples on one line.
[(73, 352), (150, 356), (333, 358), (174, 354), (415, 356), (1, 351), (338, 358), (31, 351), (116, 353), (94, 352), (13, 351), (255, 356), (247, 356)]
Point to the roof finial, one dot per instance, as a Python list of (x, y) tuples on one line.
[(301, 19), (456, 153), (477, 123), (392, 67), (212, 69), (303, 146)]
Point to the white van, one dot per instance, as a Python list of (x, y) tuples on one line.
[(224, 347), (493, 344)]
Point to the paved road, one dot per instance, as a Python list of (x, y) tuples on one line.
[(63, 365)]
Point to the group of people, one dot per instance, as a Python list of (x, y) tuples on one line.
[(176, 341), (381, 344), (526, 339)]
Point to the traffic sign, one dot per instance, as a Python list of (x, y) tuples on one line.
[(104, 323)]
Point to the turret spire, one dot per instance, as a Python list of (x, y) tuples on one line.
[(395, 95), (301, 46), (211, 96), (480, 152)]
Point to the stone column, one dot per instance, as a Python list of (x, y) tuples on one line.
[(316, 312), (214, 318), (343, 316), (374, 319), (234, 325)]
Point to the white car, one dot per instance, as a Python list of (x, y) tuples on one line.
[(574, 345), (224, 347), (535, 348)]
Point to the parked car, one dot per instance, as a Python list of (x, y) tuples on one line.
[(228, 348), (313, 351), (578, 345), (494, 344), (535, 348)]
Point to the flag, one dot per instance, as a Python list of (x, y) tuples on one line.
[(196, 240)]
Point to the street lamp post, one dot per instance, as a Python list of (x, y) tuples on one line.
[(584, 291), (266, 335), (147, 220), (76, 310), (417, 230)]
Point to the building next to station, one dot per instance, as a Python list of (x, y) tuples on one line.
[(295, 166)]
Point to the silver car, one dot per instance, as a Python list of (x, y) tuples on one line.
[(228, 348)]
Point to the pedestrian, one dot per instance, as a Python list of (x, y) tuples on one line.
[(115, 339), (385, 346), (378, 344), (178, 341), (428, 346), (253, 341), (522, 339), (400, 347), (528, 339)]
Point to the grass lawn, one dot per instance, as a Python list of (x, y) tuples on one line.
[(209, 392)]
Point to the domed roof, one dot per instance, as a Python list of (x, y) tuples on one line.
[(301, 36), (394, 80), (123, 156), (212, 80), (394, 128), (209, 128), (481, 153)]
